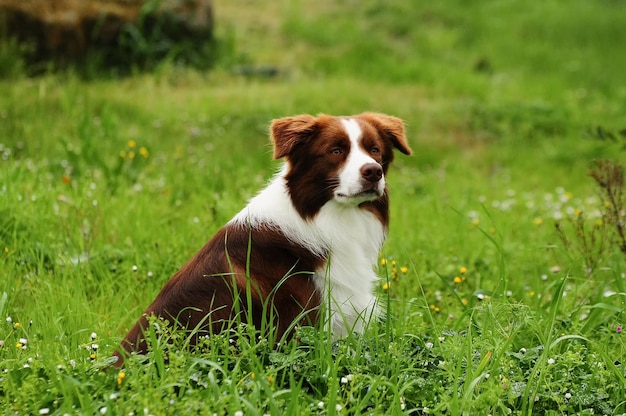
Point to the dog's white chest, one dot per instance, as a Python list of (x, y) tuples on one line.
[(354, 238), (349, 237)]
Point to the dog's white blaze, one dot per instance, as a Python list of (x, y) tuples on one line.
[(350, 180)]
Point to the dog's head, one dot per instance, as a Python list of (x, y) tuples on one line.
[(343, 159)]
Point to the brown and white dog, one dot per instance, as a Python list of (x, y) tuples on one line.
[(311, 236)]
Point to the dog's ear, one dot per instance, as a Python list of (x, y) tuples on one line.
[(391, 128), (289, 131)]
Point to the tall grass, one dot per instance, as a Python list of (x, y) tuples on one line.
[(107, 187)]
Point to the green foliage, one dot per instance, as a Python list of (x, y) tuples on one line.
[(13, 57), (153, 41)]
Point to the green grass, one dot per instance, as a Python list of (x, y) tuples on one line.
[(502, 102)]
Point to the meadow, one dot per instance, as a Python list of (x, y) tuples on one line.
[(503, 277)]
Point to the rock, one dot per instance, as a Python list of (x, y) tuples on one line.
[(70, 28)]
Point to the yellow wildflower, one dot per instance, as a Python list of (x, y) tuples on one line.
[(144, 152), (404, 269), (120, 377), (132, 144), (463, 270)]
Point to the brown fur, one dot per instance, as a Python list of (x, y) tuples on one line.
[(260, 263), (204, 286)]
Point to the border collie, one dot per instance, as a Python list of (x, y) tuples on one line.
[(312, 236)]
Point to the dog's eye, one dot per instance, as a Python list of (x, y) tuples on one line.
[(336, 151), (375, 150)]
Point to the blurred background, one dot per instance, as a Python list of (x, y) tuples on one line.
[(575, 44), (478, 71)]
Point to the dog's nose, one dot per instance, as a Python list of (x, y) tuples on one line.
[(371, 172)]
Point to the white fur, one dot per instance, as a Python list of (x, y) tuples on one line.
[(350, 177)]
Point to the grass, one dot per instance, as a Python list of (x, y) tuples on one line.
[(108, 185)]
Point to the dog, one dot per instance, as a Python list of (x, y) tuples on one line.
[(311, 237)]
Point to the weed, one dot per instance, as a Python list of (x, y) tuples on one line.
[(588, 240), (592, 242), (609, 177)]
